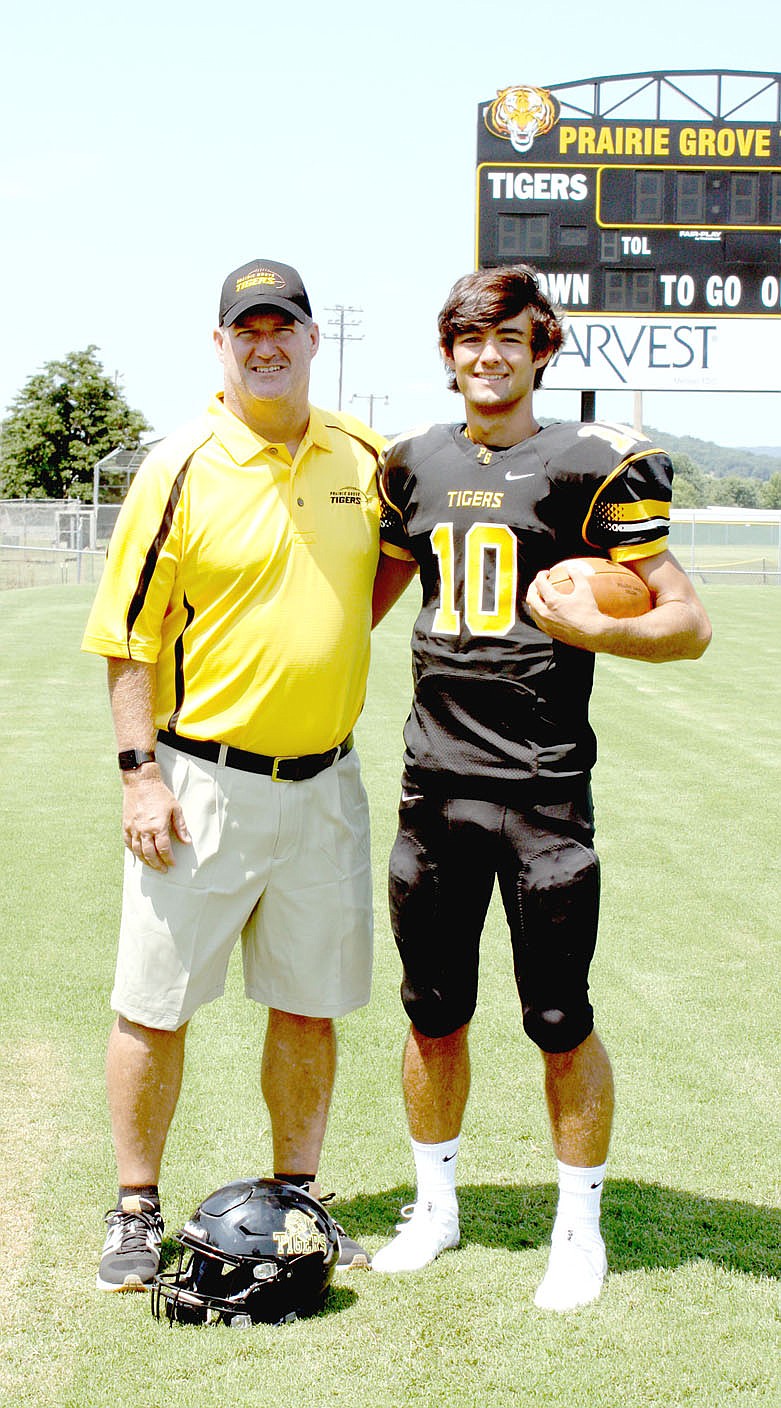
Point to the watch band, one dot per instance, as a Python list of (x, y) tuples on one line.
[(133, 758)]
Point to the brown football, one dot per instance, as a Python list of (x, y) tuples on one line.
[(617, 590)]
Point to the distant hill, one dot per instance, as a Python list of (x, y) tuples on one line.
[(719, 460)]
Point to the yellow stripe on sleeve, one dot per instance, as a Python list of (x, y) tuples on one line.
[(640, 550), (643, 509)]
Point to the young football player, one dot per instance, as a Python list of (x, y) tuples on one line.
[(498, 746)]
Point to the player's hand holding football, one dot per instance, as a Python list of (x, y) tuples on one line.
[(574, 617), (151, 818)]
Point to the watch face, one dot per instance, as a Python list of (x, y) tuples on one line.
[(133, 758)]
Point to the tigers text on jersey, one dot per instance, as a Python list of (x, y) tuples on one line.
[(498, 703), (246, 578)]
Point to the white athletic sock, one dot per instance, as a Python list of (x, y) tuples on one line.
[(435, 1169), (580, 1195), (577, 1264)]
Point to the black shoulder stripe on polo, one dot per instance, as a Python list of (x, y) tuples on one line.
[(156, 547), (179, 668), (334, 425)]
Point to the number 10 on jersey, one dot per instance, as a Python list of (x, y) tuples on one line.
[(490, 568)]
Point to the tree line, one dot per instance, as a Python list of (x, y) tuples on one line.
[(693, 488), (709, 474)]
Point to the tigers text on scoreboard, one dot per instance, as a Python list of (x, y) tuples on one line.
[(650, 204)]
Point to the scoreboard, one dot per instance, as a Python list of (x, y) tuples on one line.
[(658, 236)]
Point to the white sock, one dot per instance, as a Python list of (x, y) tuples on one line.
[(580, 1196), (577, 1263), (435, 1169)]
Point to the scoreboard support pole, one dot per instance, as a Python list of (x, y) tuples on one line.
[(588, 405)]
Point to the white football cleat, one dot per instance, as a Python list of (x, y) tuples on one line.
[(429, 1231), (577, 1266)]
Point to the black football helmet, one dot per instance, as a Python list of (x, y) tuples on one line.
[(259, 1250)]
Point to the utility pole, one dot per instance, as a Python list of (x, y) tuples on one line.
[(341, 336), (371, 398)]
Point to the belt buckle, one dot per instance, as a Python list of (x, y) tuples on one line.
[(275, 768)]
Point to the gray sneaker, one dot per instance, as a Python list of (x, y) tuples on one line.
[(352, 1256), (131, 1252)]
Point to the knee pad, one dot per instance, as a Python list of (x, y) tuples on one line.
[(432, 1013), (555, 1031)]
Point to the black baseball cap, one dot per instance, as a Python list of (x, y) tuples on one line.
[(264, 284)]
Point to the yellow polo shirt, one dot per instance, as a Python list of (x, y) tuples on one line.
[(246, 578)]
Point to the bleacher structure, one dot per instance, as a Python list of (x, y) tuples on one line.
[(112, 474)]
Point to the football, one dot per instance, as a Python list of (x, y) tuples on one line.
[(617, 590)]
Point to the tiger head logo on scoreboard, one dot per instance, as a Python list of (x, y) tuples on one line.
[(520, 114)]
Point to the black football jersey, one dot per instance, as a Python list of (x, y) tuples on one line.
[(497, 703)]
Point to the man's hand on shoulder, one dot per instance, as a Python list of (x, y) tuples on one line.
[(151, 817)]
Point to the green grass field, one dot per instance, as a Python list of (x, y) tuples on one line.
[(686, 989)]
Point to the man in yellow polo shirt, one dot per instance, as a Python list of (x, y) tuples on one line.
[(235, 612)]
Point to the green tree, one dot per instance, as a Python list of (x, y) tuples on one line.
[(684, 495), (747, 493), (770, 493), (744, 493), (689, 489), (61, 423)]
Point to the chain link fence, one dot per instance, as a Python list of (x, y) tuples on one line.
[(728, 544), (50, 542)]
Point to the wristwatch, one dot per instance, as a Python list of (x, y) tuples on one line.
[(133, 758)]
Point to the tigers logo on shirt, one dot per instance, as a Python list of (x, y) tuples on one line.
[(350, 494)]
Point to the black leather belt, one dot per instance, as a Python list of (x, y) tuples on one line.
[(279, 769)]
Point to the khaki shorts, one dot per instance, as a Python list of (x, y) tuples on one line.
[(285, 866)]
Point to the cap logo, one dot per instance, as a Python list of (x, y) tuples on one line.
[(267, 277)]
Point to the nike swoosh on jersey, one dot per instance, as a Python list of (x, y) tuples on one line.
[(509, 475)]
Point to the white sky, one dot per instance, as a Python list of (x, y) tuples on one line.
[(150, 148)]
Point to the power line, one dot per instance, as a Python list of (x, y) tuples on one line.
[(371, 398), (342, 322)]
